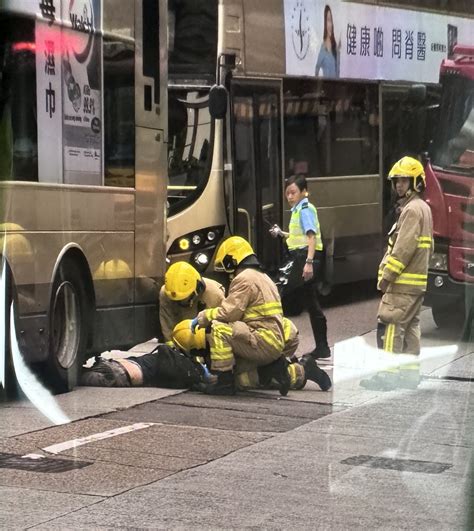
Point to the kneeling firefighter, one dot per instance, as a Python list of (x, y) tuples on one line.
[(184, 294), (247, 377), (248, 324)]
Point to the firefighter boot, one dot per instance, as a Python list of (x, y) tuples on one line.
[(224, 385), (320, 330), (314, 373), (277, 370)]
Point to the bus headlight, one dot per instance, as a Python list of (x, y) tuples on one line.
[(184, 244), (196, 239), (439, 261), (201, 260), (211, 236)]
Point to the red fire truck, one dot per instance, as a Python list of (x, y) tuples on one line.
[(450, 190)]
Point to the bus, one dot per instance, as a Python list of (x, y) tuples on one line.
[(83, 180), (333, 108)]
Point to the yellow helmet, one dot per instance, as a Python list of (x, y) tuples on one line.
[(231, 253), (411, 168), (185, 340), (182, 281)]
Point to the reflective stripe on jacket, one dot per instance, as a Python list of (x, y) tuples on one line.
[(298, 238), (253, 298), (405, 264)]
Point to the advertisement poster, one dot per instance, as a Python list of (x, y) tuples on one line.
[(338, 39), (68, 88), (82, 99), (49, 101)]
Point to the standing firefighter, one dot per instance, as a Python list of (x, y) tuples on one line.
[(184, 294), (248, 324), (403, 275)]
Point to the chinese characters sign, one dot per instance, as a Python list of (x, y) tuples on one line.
[(69, 100), (349, 40)]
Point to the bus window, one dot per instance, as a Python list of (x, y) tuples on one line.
[(18, 127), (119, 114), (189, 147), (331, 128)]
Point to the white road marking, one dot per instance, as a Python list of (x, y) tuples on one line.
[(67, 445)]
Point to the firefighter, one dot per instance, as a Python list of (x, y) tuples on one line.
[(253, 377), (184, 294), (248, 324), (402, 278), (305, 246)]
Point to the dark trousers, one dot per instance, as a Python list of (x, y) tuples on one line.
[(305, 293)]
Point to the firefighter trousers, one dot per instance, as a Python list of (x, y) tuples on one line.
[(399, 323), (231, 342)]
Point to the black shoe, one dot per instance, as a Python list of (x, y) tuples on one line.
[(381, 382), (225, 385), (315, 373), (279, 372), (320, 352)]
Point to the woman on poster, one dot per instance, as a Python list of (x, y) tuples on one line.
[(327, 64)]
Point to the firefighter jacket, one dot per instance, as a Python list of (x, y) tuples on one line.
[(253, 298), (171, 312), (410, 244), (304, 218)]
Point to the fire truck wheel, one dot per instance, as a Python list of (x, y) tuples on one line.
[(68, 327), (448, 317)]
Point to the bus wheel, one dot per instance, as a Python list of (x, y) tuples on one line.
[(448, 317), (8, 382), (68, 327)]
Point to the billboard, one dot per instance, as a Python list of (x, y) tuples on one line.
[(338, 39)]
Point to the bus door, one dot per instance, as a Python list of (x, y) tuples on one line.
[(257, 165)]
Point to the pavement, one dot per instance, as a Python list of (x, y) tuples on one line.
[(350, 458)]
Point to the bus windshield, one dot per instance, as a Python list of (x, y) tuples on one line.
[(454, 147), (190, 145)]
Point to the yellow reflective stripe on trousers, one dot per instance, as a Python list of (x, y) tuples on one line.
[(293, 375), (388, 337), (270, 338), (264, 310), (211, 313), (424, 246), (220, 351), (244, 379)]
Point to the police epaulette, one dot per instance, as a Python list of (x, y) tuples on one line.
[(304, 206)]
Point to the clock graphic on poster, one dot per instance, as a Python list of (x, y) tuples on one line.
[(300, 30)]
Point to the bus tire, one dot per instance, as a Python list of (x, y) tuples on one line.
[(448, 316), (9, 388), (68, 327)]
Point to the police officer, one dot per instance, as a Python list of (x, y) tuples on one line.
[(403, 276), (305, 247), (184, 294), (248, 323)]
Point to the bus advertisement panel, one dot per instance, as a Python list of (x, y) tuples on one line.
[(339, 39)]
